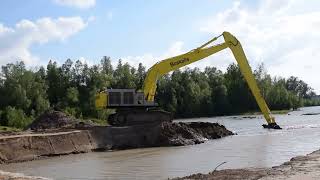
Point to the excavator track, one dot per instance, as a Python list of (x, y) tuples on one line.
[(139, 116)]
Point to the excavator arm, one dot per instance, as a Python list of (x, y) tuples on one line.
[(165, 66)]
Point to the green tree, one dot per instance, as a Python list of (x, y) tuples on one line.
[(219, 94), (16, 118), (72, 96), (124, 76), (239, 95), (24, 89), (106, 65), (72, 87), (140, 76)]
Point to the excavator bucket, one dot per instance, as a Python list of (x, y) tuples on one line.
[(271, 126)]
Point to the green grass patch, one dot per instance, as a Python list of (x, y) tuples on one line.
[(100, 122), (9, 129)]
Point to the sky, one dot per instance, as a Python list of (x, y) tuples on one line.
[(281, 34)]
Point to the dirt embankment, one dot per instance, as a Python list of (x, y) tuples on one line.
[(298, 168), (57, 134)]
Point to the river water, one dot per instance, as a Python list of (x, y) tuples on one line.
[(252, 147)]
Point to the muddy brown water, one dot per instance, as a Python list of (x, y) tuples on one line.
[(252, 147)]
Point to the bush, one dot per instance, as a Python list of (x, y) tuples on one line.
[(103, 114), (16, 118), (2, 121), (70, 111)]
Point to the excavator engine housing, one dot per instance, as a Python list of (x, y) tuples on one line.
[(116, 98), (131, 108)]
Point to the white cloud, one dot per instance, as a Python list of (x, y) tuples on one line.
[(110, 15), (82, 4), (149, 59), (91, 18), (87, 61), (281, 33), (15, 42)]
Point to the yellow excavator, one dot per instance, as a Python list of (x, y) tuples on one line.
[(138, 107)]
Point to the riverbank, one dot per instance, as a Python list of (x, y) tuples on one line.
[(30, 145), (300, 167)]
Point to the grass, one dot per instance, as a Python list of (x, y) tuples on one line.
[(8, 129), (100, 122)]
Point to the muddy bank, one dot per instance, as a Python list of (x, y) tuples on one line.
[(33, 145), (300, 167), (310, 114)]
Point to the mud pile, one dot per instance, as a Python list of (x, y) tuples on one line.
[(53, 120), (155, 135), (57, 121), (179, 134)]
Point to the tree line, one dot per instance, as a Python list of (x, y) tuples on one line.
[(71, 88)]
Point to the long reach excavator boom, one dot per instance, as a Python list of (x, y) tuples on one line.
[(139, 107)]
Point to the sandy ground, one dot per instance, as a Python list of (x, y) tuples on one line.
[(39, 134), (18, 176), (298, 168)]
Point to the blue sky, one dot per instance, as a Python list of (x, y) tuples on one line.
[(279, 33), (119, 29)]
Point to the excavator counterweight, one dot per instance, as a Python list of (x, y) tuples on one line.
[(139, 107)]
